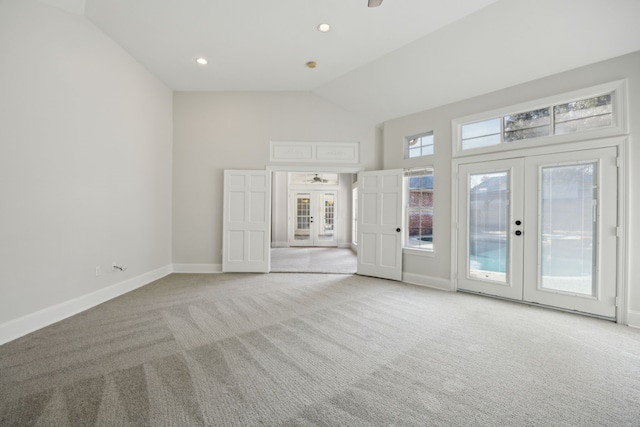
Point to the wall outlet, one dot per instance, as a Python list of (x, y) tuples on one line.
[(98, 271)]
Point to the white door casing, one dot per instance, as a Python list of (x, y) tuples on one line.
[(380, 224), (246, 221)]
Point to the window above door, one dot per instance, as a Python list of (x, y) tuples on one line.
[(594, 112)]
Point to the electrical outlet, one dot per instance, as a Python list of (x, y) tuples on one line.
[(97, 271)]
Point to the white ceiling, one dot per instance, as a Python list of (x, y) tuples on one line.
[(402, 57)]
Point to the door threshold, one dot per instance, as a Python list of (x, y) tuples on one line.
[(535, 304)]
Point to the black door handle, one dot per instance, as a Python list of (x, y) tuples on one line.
[(518, 232), (398, 229)]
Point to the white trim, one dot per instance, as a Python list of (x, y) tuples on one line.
[(24, 325), (428, 281), (197, 268), (633, 319), (623, 314), (619, 125)]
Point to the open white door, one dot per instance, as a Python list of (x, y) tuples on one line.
[(380, 224), (246, 221)]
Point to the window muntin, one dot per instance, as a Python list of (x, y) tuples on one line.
[(599, 110), (419, 145), (419, 209)]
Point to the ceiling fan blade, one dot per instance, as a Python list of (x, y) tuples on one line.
[(375, 3)]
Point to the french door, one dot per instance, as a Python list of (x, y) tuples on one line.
[(313, 218), (541, 229)]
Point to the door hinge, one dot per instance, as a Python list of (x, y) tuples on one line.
[(618, 162), (616, 300), (617, 231)]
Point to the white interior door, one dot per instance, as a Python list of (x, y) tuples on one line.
[(541, 229), (380, 223), (313, 218), (246, 221)]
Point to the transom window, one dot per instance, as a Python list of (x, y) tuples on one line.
[(419, 208), (598, 111), (419, 145)]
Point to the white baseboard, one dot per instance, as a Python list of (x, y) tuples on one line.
[(633, 318), (279, 244), (17, 328), (430, 282), (197, 268)]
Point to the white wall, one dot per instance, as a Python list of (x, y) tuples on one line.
[(214, 131), (85, 163), (439, 120)]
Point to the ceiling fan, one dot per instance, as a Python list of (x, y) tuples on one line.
[(375, 3), (317, 180)]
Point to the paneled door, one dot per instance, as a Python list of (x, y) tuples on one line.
[(313, 218), (246, 221), (379, 224), (541, 229)]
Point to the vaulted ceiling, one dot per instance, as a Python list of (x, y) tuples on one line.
[(402, 57)]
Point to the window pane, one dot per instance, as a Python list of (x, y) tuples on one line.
[(484, 141), (530, 119), (520, 134), (484, 128), (419, 209), (583, 124), (600, 105), (420, 145), (532, 124), (568, 228), (591, 113)]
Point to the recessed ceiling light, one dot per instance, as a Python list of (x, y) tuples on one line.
[(324, 28), (311, 64), (202, 61)]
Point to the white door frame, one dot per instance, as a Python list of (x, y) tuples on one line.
[(622, 142)]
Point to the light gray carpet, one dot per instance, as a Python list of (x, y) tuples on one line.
[(319, 350), (313, 260)]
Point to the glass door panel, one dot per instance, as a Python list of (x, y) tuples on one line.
[(325, 226), (488, 246), (568, 225), (302, 218)]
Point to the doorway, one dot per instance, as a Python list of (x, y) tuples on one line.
[(541, 229)]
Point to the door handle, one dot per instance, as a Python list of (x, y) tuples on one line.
[(518, 233), (398, 229)]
